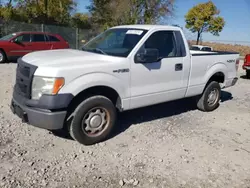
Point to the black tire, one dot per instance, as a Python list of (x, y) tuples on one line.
[(203, 103), (248, 74), (2, 57), (77, 128)]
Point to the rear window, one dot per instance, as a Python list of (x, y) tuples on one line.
[(194, 48), (53, 38), (206, 49)]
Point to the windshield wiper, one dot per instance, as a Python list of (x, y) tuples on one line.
[(98, 50)]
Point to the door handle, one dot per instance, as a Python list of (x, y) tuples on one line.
[(178, 67)]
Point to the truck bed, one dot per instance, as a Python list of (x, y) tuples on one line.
[(205, 64)]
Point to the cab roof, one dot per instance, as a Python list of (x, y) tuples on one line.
[(33, 32), (148, 27)]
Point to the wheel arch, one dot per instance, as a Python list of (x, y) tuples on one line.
[(217, 72), (1, 49), (102, 90)]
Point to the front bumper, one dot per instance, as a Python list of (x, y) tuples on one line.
[(48, 112), (37, 117)]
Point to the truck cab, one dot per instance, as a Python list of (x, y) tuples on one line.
[(123, 68)]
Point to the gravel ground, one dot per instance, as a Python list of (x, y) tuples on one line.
[(167, 145)]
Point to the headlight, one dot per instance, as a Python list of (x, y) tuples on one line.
[(45, 85)]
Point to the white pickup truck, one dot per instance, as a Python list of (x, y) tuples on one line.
[(123, 68)]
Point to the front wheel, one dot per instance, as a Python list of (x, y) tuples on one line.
[(209, 100), (2, 57), (93, 120)]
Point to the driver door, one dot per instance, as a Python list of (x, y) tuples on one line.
[(161, 81), (21, 45)]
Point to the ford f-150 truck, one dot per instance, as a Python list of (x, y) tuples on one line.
[(123, 68)]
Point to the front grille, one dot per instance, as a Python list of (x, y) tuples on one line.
[(24, 75)]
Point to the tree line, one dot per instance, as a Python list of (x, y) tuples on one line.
[(103, 14)]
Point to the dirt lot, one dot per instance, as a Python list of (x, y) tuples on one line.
[(168, 145)]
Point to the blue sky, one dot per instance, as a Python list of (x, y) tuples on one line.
[(235, 13)]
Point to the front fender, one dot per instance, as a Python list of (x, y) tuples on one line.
[(218, 67), (96, 79)]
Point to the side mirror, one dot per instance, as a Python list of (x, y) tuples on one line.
[(148, 55)]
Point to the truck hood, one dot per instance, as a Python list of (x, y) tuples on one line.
[(62, 57)]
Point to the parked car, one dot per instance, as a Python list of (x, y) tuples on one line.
[(201, 48), (246, 65), (18, 44), (124, 68)]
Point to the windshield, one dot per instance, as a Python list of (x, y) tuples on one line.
[(116, 42), (8, 37)]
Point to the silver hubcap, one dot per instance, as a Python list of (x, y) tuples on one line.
[(1, 57), (213, 97), (95, 121)]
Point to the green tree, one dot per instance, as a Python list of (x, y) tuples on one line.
[(204, 17), (107, 13), (47, 11), (154, 10), (39, 11), (101, 13), (81, 20)]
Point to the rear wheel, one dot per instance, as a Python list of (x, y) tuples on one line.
[(248, 74), (209, 100), (93, 120), (2, 56)]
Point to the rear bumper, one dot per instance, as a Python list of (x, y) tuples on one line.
[(230, 82), (38, 117)]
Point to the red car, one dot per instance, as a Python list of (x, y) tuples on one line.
[(18, 44), (246, 65)]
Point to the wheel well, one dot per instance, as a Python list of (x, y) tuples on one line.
[(218, 77), (97, 90), (3, 51)]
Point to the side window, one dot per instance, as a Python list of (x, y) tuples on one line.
[(24, 38), (38, 38), (53, 38), (164, 41)]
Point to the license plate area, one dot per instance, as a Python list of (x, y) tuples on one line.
[(19, 112)]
